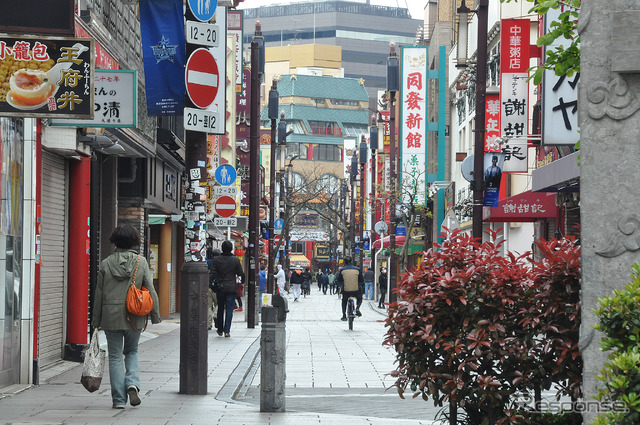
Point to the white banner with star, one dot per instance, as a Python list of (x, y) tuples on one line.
[(413, 122)]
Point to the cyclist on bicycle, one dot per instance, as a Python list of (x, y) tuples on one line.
[(351, 284)]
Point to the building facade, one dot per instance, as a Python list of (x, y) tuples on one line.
[(363, 31)]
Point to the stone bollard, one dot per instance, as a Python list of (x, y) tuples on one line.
[(273, 356), (194, 303)]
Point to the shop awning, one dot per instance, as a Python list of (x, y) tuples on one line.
[(524, 207), (299, 260), (399, 242)]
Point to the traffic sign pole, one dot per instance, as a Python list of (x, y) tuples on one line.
[(194, 274)]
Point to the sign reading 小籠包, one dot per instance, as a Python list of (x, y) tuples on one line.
[(115, 101), (46, 77)]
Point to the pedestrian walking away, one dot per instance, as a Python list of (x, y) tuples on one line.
[(351, 284), (227, 268), (323, 281), (332, 283), (306, 286), (239, 293), (212, 313), (110, 313), (263, 284), (369, 277), (382, 285), (297, 279)]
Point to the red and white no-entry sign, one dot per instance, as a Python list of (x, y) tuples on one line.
[(225, 206), (202, 78)]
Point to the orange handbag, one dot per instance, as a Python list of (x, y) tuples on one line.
[(139, 301)]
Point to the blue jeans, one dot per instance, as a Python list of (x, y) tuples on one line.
[(127, 372), (226, 304), (368, 290)]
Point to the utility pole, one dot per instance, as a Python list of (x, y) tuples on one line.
[(273, 116), (482, 14), (257, 70), (393, 85)]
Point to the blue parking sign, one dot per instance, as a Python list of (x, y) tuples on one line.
[(203, 10)]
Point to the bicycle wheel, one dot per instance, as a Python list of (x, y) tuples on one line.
[(350, 323)]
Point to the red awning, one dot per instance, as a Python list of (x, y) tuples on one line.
[(399, 242), (524, 207)]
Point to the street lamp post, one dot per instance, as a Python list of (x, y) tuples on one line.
[(257, 71), (273, 116), (363, 163), (462, 18), (393, 85), (352, 206), (287, 230), (373, 145)]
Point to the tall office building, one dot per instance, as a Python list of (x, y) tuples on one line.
[(362, 30)]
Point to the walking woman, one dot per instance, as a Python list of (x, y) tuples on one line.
[(110, 313)]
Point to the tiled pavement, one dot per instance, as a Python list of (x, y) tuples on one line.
[(333, 375)]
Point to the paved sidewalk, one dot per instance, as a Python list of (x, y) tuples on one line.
[(333, 375)]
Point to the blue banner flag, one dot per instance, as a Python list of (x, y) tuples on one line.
[(163, 52)]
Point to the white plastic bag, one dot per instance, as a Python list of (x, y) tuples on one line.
[(93, 368)]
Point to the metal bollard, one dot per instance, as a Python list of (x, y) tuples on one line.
[(273, 356)]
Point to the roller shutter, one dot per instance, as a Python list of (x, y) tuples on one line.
[(51, 330)]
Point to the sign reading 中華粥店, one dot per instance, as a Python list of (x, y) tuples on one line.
[(514, 92), (115, 101), (46, 77)]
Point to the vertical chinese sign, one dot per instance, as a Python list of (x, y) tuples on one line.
[(492, 123), (560, 100), (514, 92), (413, 113)]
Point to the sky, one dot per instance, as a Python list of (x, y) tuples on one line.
[(416, 7)]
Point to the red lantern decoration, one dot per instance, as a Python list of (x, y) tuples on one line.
[(239, 252)]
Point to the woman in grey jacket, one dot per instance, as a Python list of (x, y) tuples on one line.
[(110, 313)]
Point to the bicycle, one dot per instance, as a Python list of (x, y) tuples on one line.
[(351, 311)]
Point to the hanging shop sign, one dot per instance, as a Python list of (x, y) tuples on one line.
[(37, 17), (235, 24), (492, 123), (46, 77), (413, 112), (115, 101), (559, 100), (514, 91)]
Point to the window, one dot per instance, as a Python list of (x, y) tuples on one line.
[(328, 183), (344, 102), (325, 128), (299, 184), (298, 247), (320, 102), (296, 149), (327, 153), (352, 129)]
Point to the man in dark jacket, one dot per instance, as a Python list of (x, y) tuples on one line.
[(351, 284), (323, 282), (227, 268)]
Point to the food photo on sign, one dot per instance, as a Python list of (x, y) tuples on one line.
[(46, 77)]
